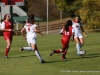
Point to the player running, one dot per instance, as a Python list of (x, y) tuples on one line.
[(6, 27), (77, 29), (31, 30), (66, 33)]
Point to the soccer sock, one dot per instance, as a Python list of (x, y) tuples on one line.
[(28, 48), (64, 53), (7, 51), (38, 55), (58, 51), (78, 48), (81, 45)]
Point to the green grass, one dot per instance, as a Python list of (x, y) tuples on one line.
[(26, 63)]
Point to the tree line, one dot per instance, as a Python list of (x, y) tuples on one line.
[(88, 10), (39, 9)]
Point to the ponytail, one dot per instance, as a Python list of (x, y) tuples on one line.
[(68, 23)]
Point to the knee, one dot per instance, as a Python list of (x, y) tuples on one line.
[(82, 43)]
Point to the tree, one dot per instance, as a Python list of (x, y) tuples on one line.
[(88, 10), (69, 7), (39, 9), (90, 13)]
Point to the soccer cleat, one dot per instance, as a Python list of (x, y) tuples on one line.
[(43, 61), (21, 49), (53, 51), (64, 57), (6, 57)]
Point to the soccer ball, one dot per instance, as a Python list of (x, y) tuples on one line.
[(82, 52)]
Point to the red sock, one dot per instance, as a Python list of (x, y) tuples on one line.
[(6, 52), (58, 51), (64, 53)]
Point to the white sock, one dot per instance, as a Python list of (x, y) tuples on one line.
[(28, 48), (38, 55), (78, 48)]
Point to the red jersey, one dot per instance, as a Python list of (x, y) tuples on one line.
[(8, 25), (66, 36), (65, 33), (7, 34)]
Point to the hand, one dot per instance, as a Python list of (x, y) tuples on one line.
[(11, 30), (86, 36), (72, 40), (25, 38)]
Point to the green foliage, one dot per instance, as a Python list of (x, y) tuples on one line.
[(89, 11), (69, 7)]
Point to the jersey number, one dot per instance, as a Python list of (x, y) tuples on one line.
[(29, 29), (66, 33)]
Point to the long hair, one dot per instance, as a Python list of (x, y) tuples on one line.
[(5, 16), (68, 23), (79, 18), (30, 18), (31, 21)]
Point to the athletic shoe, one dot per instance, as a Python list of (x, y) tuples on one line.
[(43, 61), (53, 51), (6, 57), (64, 57), (21, 49)]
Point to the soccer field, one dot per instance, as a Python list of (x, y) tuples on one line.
[(26, 63)]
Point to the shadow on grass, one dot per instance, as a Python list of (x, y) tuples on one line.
[(91, 56), (22, 56), (65, 60), (87, 56)]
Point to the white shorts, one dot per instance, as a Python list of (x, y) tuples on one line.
[(78, 35), (31, 40)]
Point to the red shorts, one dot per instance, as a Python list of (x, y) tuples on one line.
[(65, 42), (7, 36)]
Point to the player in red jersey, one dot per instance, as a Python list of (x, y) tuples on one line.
[(6, 27), (66, 33)]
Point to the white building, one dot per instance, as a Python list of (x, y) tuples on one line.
[(16, 10)]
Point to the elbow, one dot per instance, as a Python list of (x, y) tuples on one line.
[(21, 32), (61, 33)]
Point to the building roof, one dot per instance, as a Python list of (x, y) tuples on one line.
[(24, 18)]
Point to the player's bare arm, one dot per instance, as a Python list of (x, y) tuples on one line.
[(83, 32), (38, 31), (7, 30), (22, 32)]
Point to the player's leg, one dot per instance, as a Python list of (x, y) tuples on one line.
[(27, 48), (77, 44), (65, 46), (8, 42), (7, 47), (81, 42), (64, 52), (56, 51), (34, 46)]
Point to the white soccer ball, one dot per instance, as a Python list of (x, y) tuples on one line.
[(82, 52)]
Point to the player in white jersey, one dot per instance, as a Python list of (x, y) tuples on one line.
[(77, 30), (31, 30)]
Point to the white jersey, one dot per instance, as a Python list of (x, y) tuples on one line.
[(30, 30), (76, 29)]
